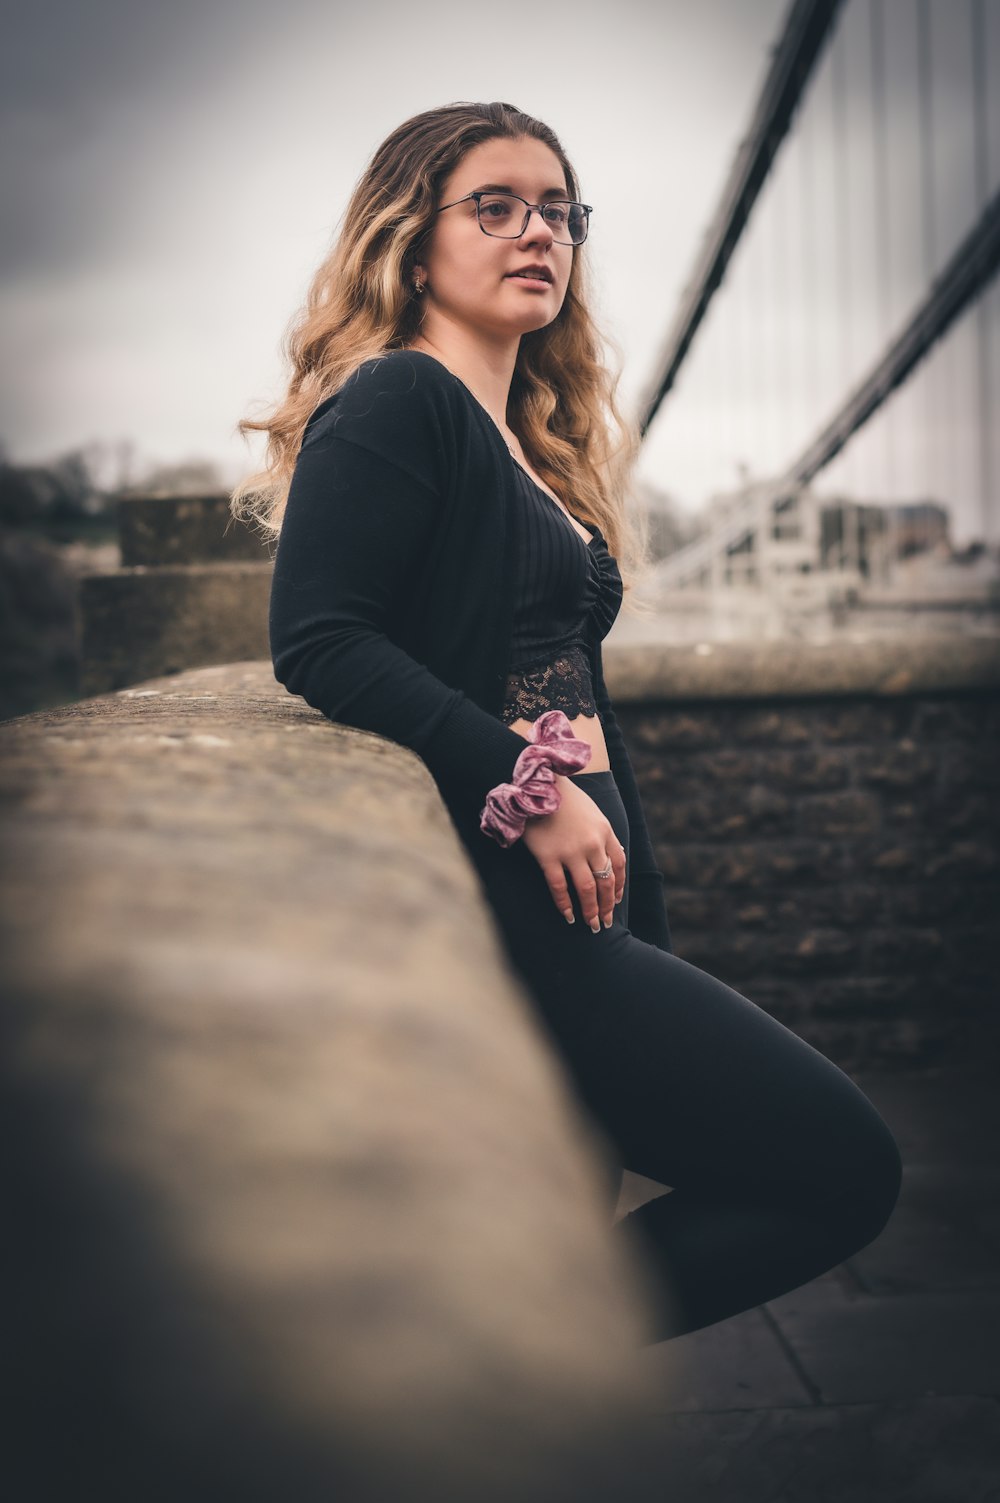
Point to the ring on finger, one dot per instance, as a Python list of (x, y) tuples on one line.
[(605, 871)]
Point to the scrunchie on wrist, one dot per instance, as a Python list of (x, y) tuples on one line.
[(552, 749)]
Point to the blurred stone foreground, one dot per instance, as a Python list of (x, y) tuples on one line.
[(299, 1202)]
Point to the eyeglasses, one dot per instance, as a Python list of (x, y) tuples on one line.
[(498, 213)]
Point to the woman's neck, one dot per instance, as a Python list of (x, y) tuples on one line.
[(487, 372)]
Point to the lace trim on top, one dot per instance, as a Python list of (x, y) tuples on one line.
[(562, 683)]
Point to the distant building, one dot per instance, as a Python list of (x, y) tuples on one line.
[(775, 538)]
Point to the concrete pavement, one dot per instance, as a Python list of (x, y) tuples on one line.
[(879, 1381)]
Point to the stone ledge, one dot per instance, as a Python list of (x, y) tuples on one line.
[(148, 620), (882, 665), (317, 1213), (185, 530)]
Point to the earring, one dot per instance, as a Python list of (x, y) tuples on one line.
[(418, 288)]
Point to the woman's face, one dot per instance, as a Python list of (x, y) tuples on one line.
[(470, 277)]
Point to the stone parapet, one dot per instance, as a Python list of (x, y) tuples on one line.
[(142, 622), (827, 820), (881, 665), (304, 1207), (186, 530), (192, 590)]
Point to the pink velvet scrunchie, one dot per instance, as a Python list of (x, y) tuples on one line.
[(553, 749)]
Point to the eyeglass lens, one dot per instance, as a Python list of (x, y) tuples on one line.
[(506, 217)]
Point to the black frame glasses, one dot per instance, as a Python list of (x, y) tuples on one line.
[(561, 203)]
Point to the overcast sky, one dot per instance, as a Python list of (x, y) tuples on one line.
[(174, 173)]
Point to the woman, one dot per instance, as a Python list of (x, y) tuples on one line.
[(446, 471)]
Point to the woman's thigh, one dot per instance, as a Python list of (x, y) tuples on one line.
[(692, 1083)]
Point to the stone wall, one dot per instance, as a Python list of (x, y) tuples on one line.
[(831, 855), (299, 1202), (192, 589)]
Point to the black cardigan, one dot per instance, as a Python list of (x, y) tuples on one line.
[(392, 598)]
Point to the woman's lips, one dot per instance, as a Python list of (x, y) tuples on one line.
[(536, 282)]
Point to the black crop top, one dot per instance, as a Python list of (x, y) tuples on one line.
[(568, 592)]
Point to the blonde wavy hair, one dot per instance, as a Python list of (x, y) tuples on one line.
[(360, 304)]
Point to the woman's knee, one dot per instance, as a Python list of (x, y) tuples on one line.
[(884, 1178), (864, 1189)]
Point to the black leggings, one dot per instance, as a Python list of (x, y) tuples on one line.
[(780, 1167)]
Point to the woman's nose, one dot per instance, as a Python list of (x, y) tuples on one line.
[(537, 228)]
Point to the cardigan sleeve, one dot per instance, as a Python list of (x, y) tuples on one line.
[(647, 917), (354, 528)]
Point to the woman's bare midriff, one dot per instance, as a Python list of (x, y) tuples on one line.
[(587, 728)]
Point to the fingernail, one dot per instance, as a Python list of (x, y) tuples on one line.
[(596, 926), (607, 923), (570, 918)]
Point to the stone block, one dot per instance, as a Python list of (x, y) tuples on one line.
[(756, 915), (974, 765), (909, 902), (716, 814), (756, 868), (186, 530), (859, 722), (894, 858), (946, 719), (695, 865), (817, 768), (899, 764), (790, 725), (731, 957), (139, 623), (829, 907), (902, 950), (769, 811), (838, 814), (868, 995), (964, 858), (731, 765), (797, 862), (679, 818), (976, 943), (691, 909), (698, 865), (670, 729), (816, 952), (956, 811), (905, 814)]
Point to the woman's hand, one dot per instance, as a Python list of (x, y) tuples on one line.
[(579, 837)]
